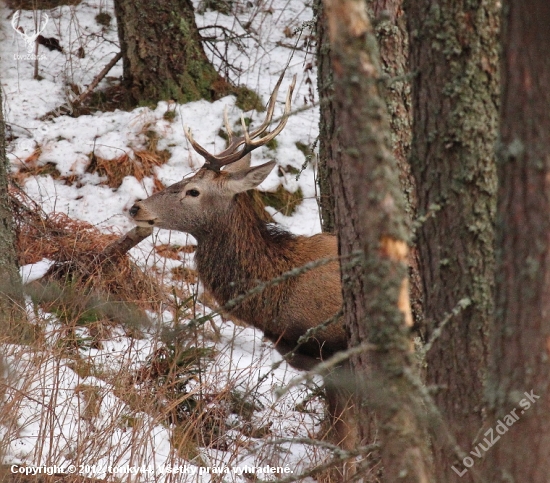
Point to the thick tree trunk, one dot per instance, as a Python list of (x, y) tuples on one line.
[(455, 95), (163, 57), (520, 370), (10, 282), (393, 42), (371, 220)]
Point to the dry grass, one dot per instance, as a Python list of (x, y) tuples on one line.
[(31, 167), (173, 251), (115, 170), (80, 282)]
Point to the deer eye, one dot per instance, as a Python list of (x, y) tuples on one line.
[(194, 193)]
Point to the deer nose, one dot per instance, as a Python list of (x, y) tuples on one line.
[(134, 210)]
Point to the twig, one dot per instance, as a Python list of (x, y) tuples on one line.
[(339, 452), (459, 307), (97, 79)]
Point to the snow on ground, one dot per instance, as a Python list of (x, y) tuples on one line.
[(243, 360)]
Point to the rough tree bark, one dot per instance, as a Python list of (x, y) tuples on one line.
[(393, 42), (371, 220), (520, 373), (10, 282), (327, 133), (163, 57), (454, 57)]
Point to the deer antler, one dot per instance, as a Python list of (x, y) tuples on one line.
[(230, 154)]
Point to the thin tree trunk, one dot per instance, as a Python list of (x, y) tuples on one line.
[(520, 371), (455, 96), (10, 282), (163, 57), (327, 133), (371, 220)]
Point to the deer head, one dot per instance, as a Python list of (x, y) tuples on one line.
[(191, 204)]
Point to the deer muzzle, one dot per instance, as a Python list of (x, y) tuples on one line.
[(141, 215)]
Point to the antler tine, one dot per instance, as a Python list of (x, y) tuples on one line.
[(258, 131), (250, 144), (229, 155), (270, 109), (227, 126), (209, 158)]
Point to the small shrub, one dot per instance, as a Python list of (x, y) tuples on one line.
[(103, 18)]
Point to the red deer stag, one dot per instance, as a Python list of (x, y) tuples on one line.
[(236, 251)]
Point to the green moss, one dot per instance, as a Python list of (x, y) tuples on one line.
[(282, 200), (169, 115), (184, 27), (247, 99), (305, 149), (273, 144)]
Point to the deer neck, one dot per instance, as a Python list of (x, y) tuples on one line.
[(240, 250)]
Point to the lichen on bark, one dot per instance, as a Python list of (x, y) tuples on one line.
[(454, 57)]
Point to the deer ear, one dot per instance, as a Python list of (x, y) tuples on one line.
[(239, 165), (249, 178)]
